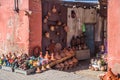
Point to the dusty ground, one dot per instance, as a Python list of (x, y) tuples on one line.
[(82, 69), (81, 72)]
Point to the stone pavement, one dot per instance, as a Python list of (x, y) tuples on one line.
[(47, 75)]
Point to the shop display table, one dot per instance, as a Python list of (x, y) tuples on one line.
[(83, 54), (7, 68), (25, 72)]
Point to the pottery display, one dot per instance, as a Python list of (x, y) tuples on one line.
[(57, 56), (52, 57), (62, 60), (54, 10), (109, 76)]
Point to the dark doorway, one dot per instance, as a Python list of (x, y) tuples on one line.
[(90, 38)]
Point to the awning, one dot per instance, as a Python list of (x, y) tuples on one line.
[(84, 1)]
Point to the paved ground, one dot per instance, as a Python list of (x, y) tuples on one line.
[(81, 72), (48, 75)]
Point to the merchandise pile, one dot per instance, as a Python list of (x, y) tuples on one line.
[(78, 42), (109, 75), (62, 60)]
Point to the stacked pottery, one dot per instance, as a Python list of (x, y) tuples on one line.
[(66, 65), (57, 56), (75, 61), (52, 57), (109, 76)]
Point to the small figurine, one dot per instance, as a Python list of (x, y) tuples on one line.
[(0, 61), (3, 60), (7, 61)]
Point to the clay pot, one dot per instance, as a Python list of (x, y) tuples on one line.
[(59, 23), (38, 70), (54, 10), (52, 28), (67, 53), (57, 66), (49, 14), (48, 67), (52, 57), (45, 20), (71, 51), (66, 65), (102, 68), (34, 63), (62, 55), (41, 55), (57, 56), (43, 68), (47, 56), (61, 66), (75, 61), (109, 76), (9, 55), (70, 63)]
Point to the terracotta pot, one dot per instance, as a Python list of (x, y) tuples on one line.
[(47, 56), (71, 51), (70, 63), (45, 20), (57, 56), (75, 61), (67, 53), (54, 10), (52, 28), (49, 14), (66, 65), (57, 66), (48, 66), (43, 68), (52, 57), (38, 70), (62, 66), (34, 63), (62, 55), (102, 68), (41, 55), (59, 23), (109, 76)]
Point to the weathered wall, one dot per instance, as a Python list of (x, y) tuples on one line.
[(35, 21), (114, 35), (14, 27)]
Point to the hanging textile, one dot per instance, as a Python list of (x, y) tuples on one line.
[(90, 16), (98, 29), (74, 22)]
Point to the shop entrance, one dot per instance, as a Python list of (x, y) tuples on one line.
[(81, 26)]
